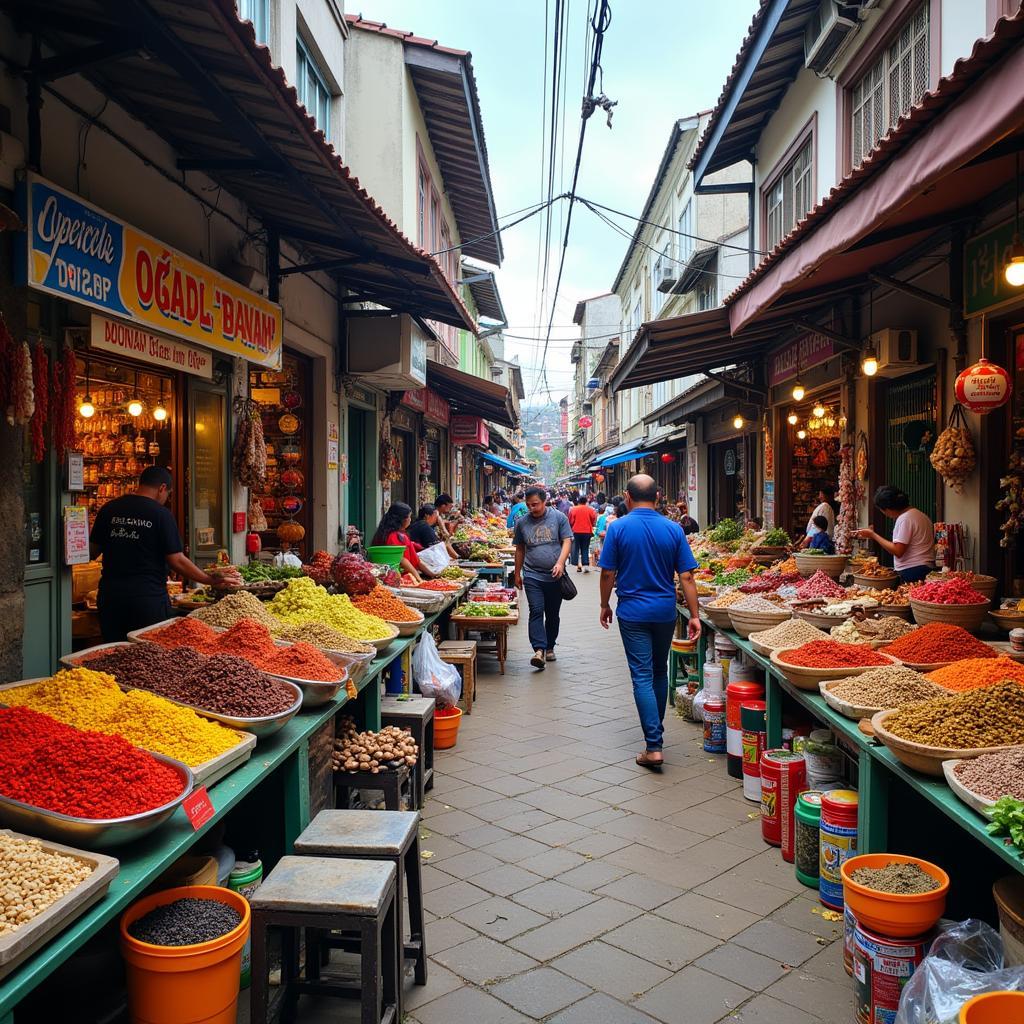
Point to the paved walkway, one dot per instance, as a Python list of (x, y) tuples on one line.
[(567, 885)]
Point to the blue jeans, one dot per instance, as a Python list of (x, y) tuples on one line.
[(647, 645), (581, 548), (545, 599), (916, 573)]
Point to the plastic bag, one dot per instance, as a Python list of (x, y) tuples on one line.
[(435, 558), (434, 677), (964, 961)]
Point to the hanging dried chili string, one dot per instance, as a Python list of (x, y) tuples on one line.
[(41, 382), (6, 363), (62, 422)]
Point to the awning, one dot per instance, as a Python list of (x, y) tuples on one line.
[(195, 75), (471, 395), (613, 456), (952, 151), (484, 289), (693, 273), (670, 440), (506, 464)]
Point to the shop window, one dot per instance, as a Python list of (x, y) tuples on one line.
[(657, 298), (311, 86), (421, 201), (686, 232), (891, 86), (707, 293), (788, 197), (207, 475), (256, 11)]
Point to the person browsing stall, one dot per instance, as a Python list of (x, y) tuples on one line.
[(826, 508), (517, 511), (821, 541), (138, 539), (444, 504), (392, 530), (913, 535)]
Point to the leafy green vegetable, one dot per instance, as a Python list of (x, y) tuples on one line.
[(258, 572), (726, 530), (1008, 819), (776, 537)]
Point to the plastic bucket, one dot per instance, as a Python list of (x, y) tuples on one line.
[(184, 984), (446, 727), (386, 554), (993, 1008)]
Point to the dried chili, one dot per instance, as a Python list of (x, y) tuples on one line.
[(247, 639), (302, 661), (938, 641), (41, 383), (957, 590), (832, 654)]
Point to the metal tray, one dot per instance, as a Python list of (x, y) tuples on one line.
[(95, 833), (29, 937), (315, 691)]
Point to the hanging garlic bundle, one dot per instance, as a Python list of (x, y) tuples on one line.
[(953, 456)]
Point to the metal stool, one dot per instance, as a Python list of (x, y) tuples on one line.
[(417, 715), (462, 652), (391, 781), (378, 835), (325, 894)]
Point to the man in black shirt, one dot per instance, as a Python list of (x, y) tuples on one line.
[(139, 541), (424, 530)]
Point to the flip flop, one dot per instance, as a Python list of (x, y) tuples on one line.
[(537, 661), (654, 766)]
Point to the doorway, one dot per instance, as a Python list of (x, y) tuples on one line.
[(357, 434)]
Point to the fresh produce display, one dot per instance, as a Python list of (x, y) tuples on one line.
[(788, 634), (896, 598), (319, 567), (488, 610), (481, 553), (52, 765), (787, 567), (382, 603), (33, 879), (831, 654), (373, 752), (875, 570), (953, 456), (970, 673), (819, 585), (993, 776), (264, 572), (229, 609), (938, 641), (352, 575), (1008, 820), (185, 922), (897, 877), (725, 531), (770, 580), (955, 591), (440, 585), (453, 572), (303, 601), (93, 701), (992, 716), (731, 577), (891, 686), (776, 537), (323, 636)]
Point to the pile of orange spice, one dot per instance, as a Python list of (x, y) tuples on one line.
[(382, 603), (302, 661), (972, 673), (187, 632)]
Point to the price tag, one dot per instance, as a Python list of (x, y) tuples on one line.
[(198, 807)]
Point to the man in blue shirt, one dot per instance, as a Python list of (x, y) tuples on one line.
[(641, 555), (517, 511)]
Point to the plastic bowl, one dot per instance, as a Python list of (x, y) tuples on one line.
[(893, 914), (387, 554), (993, 1008)]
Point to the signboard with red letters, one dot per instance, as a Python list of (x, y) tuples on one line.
[(469, 430)]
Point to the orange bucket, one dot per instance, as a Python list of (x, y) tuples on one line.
[(895, 915), (994, 1008), (446, 727), (185, 984)]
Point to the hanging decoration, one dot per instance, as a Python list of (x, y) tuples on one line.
[(249, 454), (953, 456), (21, 402), (846, 520), (1012, 501), (983, 387), (861, 460), (64, 405), (667, 457), (41, 385), (390, 462), (586, 422)]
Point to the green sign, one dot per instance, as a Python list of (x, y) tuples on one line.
[(985, 256)]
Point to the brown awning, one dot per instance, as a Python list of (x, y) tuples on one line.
[(951, 152), (195, 75), (471, 395)]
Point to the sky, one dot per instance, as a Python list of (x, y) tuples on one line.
[(662, 60)]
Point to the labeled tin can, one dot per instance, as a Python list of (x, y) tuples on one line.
[(714, 725), (783, 776), (737, 693), (1017, 639), (838, 842), (881, 968), (752, 717)]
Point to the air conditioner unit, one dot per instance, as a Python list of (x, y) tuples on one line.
[(667, 278), (825, 34), (897, 350)]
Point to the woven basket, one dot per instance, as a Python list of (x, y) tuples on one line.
[(746, 623), (1007, 619), (968, 616), (810, 678), (719, 616), (830, 565), (982, 584), (876, 582)]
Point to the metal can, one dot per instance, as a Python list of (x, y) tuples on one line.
[(1017, 639), (881, 967), (838, 843), (783, 776), (714, 725)]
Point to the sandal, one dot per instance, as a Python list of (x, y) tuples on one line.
[(646, 761), (537, 661), (550, 656)]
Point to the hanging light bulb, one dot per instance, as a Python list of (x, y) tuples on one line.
[(87, 410), (159, 412), (819, 411), (798, 391), (801, 434), (869, 364), (135, 406), (793, 419), (737, 421)]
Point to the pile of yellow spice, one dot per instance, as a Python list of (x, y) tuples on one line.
[(305, 601)]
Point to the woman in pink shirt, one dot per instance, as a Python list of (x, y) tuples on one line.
[(913, 535)]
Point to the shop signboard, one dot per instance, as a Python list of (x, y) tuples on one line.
[(469, 430), (332, 445), (428, 402), (78, 252), (985, 286), (125, 339), (804, 352)]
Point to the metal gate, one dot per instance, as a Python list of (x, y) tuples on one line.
[(910, 411)]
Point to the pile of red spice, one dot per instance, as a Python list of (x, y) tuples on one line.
[(939, 641), (819, 585), (187, 632), (83, 774), (302, 661), (955, 591), (833, 654), (247, 639)]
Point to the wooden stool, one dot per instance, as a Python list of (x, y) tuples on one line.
[(378, 835), (462, 652), (326, 894), (392, 781), (417, 715)]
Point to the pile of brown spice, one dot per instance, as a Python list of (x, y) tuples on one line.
[(896, 877)]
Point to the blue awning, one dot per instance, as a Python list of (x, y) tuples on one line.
[(511, 467), (629, 456)]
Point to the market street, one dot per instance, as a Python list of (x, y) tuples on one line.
[(566, 884)]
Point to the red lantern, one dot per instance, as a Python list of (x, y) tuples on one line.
[(586, 421), (599, 477), (667, 457), (983, 387), (545, 448)]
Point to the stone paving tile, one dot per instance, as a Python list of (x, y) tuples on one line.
[(440, 981), (601, 1009), (611, 970), (434, 878), (525, 821), (447, 932), (440, 847), (472, 862), (656, 834), (595, 819), (763, 1009), (579, 786), (642, 860), (664, 943), (789, 945), (693, 996), (476, 774), (510, 785), (482, 960), (710, 916), (639, 891), (540, 992), (500, 919), (598, 844), (468, 1006), (506, 880), (551, 863), (769, 868), (561, 804), (572, 930), (821, 997), (800, 914), (466, 799), (450, 898), (738, 964), (742, 893), (554, 898), (452, 822), (481, 835), (515, 849), (495, 810), (827, 962), (705, 821), (592, 875)]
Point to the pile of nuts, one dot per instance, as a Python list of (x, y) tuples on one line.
[(33, 879), (356, 751)]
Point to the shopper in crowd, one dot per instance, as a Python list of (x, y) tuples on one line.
[(825, 507), (444, 504), (562, 503), (686, 521), (821, 541), (582, 519), (392, 530), (600, 527), (641, 556), (138, 539), (517, 511), (542, 539), (913, 535)]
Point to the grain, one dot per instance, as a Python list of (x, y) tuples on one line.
[(32, 879), (892, 686), (896, 877), (185, 922), (323, 636), (228, 610), (728, 599), (788, 634), (992, 716), (993, 776)]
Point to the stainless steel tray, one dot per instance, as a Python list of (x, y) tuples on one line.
[(29, 937), (95, 833)]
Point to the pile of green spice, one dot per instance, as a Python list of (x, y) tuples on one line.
[(902, 879)]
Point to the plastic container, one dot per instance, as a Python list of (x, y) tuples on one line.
[(714, 724), (898, 915), (838, 842), (783, 776), (752, 718), (806, 841), (245, 879), (725, 651), (993, 1008), (713, 677), (386, 554), (824, 760), (446, 727), (881, 967), (184, 984), (736, 693)]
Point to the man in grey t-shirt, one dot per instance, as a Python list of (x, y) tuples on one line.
[(542, 538)]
